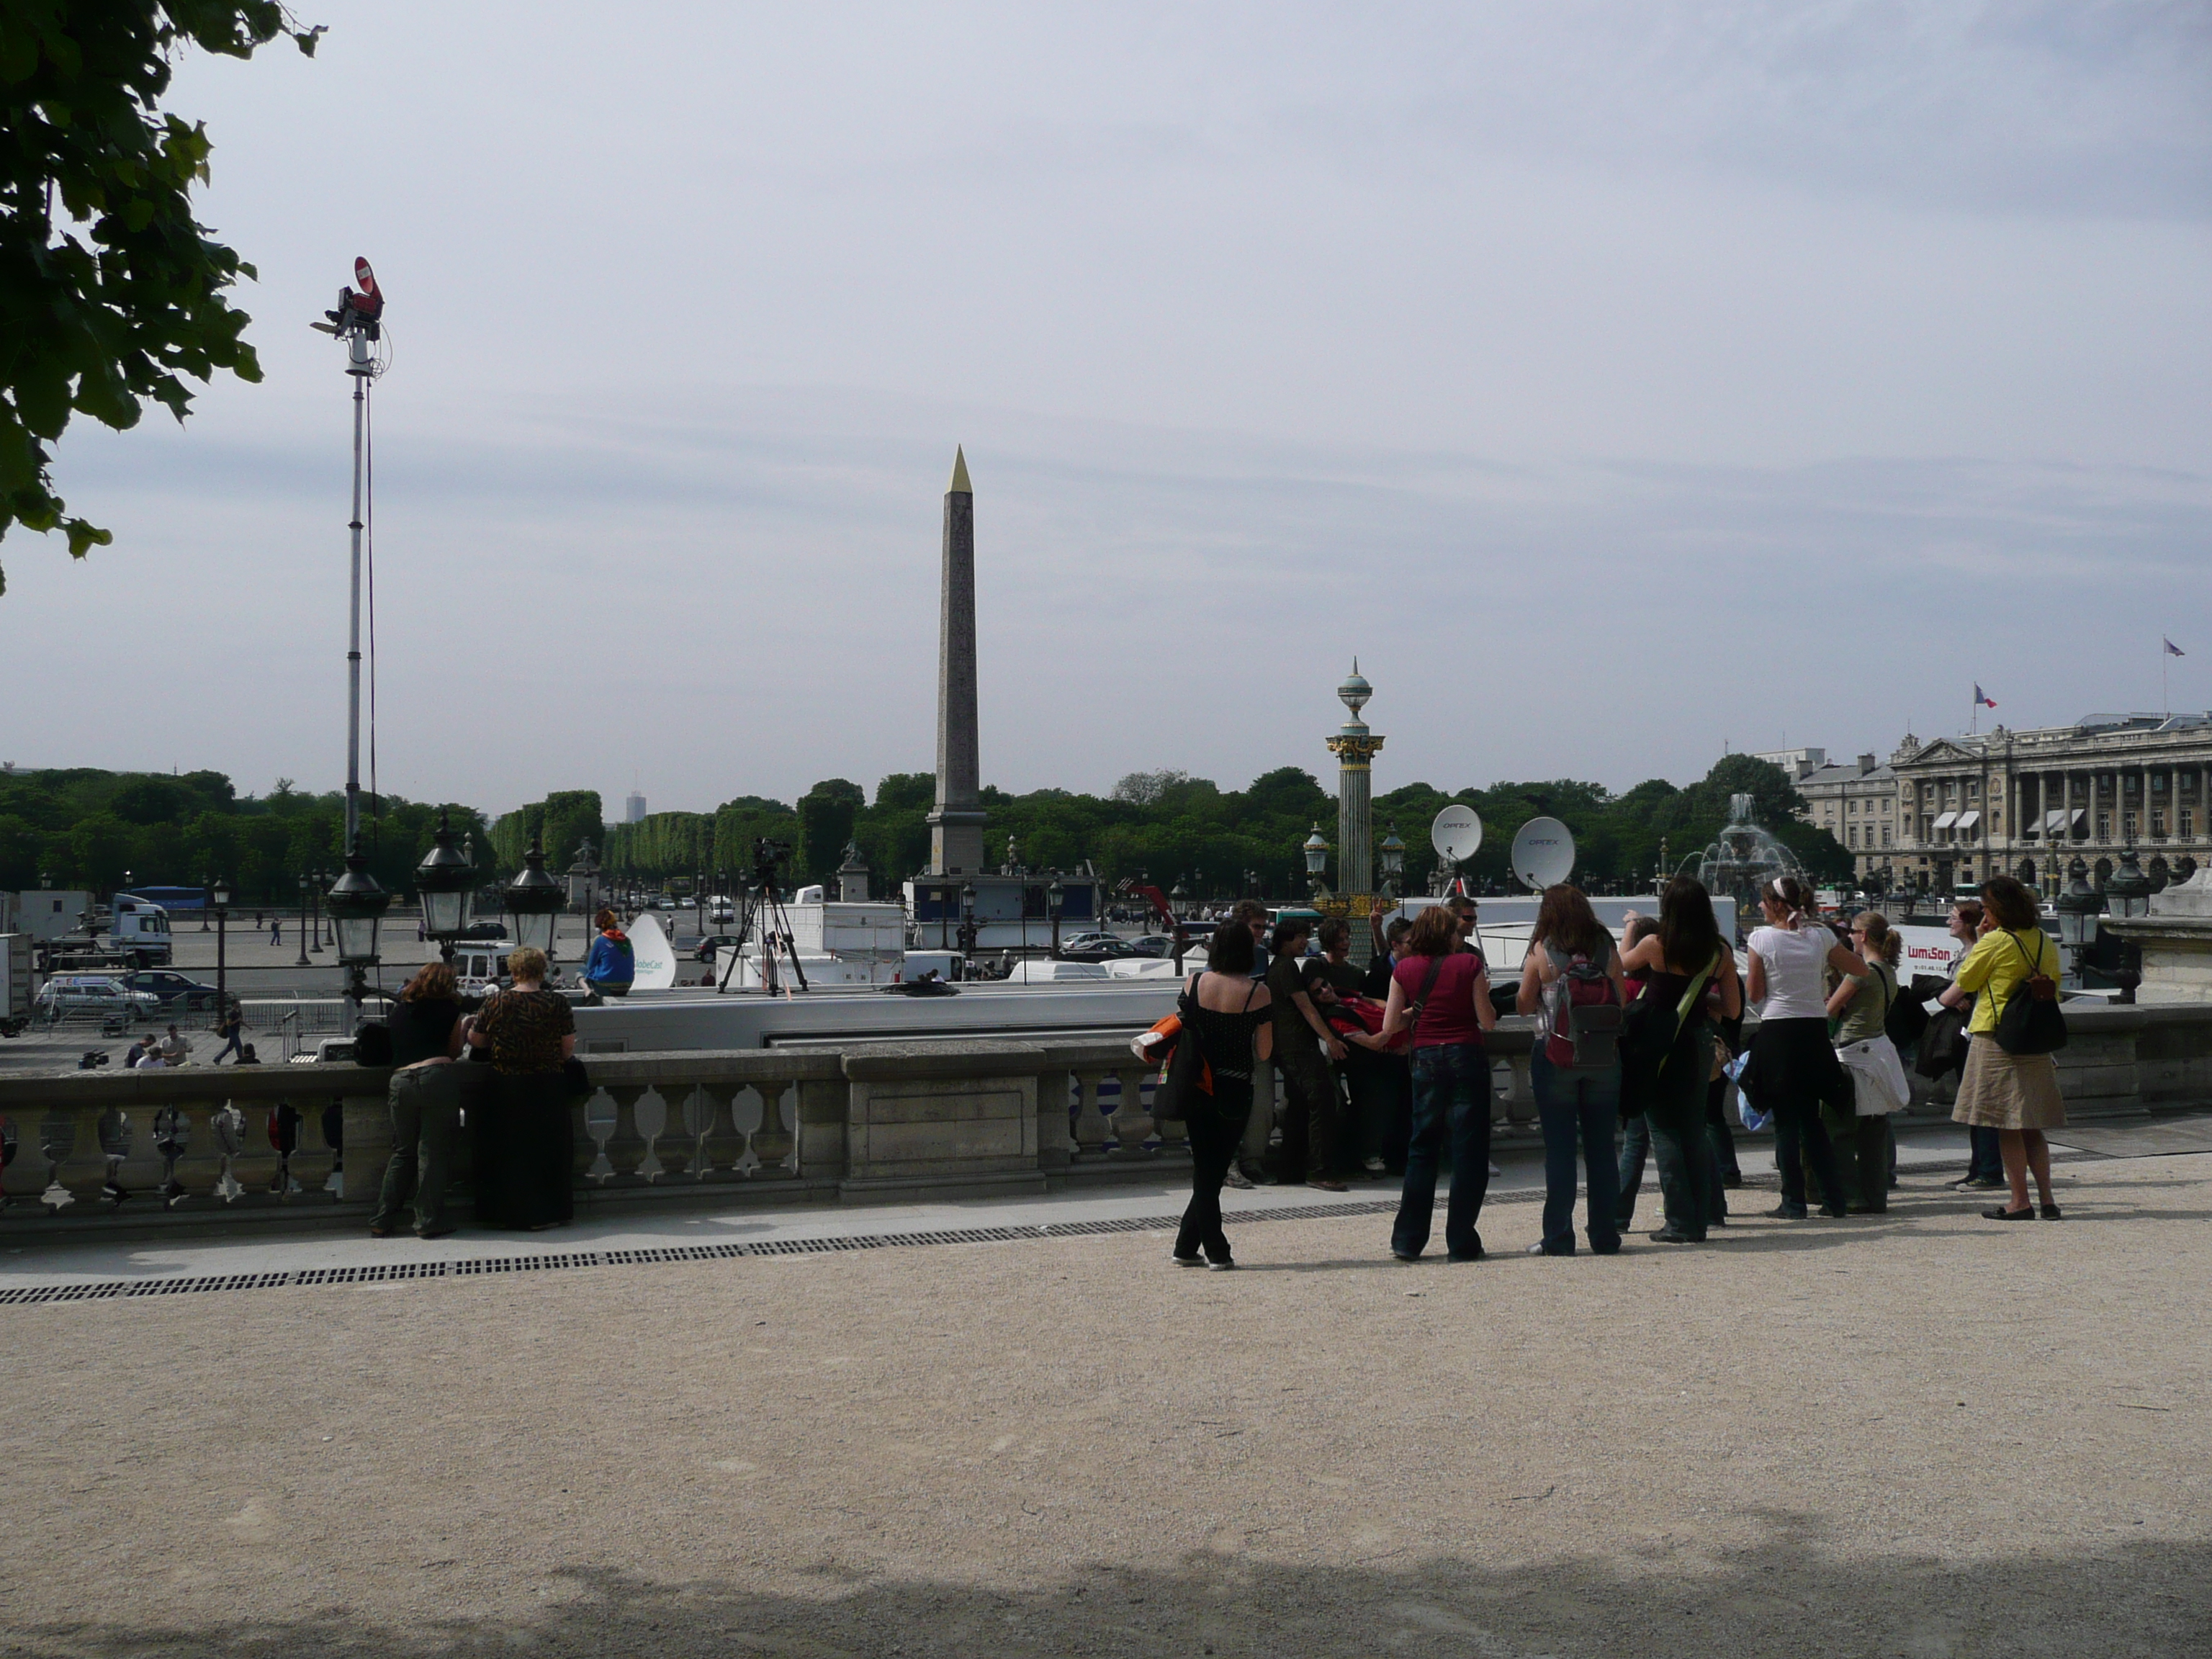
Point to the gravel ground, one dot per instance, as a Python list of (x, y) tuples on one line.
[(1922, 1434)]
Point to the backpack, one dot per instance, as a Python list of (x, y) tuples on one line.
[(1583, 1016), (2030, 1022)]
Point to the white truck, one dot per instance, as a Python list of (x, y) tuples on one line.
[(15, 983), (67, 926)]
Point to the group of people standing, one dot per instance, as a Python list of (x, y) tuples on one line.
[(1636, 1042)]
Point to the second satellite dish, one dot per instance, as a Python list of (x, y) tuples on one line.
[(1543, 853), (1456, 834)]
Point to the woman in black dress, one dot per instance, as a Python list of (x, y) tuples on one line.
[(523, 1142), (1227, 1016)]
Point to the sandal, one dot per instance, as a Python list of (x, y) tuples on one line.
[(2001, 1214)]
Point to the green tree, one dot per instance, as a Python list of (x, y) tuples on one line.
[(827, 814), (111, 292)]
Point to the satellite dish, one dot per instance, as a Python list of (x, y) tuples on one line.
[(1543, 853), (653, 957), (1456, 834)]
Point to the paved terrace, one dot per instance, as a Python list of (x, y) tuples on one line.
[(1917, 1434)]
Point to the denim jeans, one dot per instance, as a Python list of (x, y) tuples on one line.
[(426, 1102), (1801, 1145), (1689, 1173), (1215, 1126), (1572, 1104), (1451, 1093), (1635, 1151)]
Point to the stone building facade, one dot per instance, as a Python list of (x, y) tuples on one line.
[(1858, 803), (2030, 802)]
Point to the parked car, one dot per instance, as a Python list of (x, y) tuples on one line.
[(1101, 949), (708, 946), (484, 930), (175, 992), (72, 995), (1154, 945)]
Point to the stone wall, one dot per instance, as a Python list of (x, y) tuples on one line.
[(116, 1154)]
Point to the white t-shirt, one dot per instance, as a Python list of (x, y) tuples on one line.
[(1793, 962)]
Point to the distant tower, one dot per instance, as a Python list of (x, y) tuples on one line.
[(956, 824), (1355, 747), (634, 808)]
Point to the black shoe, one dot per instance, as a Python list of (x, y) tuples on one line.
[(1786, 1212), (1673, 1235), (1405, 1256), (2003, 1214), (2051, 1213), (1731, 1180), (434, 1232), (1477, 1256)]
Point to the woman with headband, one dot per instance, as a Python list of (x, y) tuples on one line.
[(1793, 1068)]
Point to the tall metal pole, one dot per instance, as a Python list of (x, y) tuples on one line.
[(359, 367)]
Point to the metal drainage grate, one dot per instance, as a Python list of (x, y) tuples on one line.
[(384, 1273)]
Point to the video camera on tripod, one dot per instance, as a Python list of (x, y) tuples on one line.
[(762, 917)]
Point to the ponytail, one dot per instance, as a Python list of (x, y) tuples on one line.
[(1886, 942)]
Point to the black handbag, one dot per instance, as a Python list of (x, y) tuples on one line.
[(1943, 1044), (579, 1081), (1648, 1029), (1187, 1077), (2030, 1023)]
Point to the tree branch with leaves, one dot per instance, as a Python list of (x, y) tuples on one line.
[(111, 295)]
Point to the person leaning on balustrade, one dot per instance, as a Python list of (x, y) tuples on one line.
[(425, 1095), (522, 1143), (2016, 1095)]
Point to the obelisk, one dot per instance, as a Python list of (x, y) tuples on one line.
[(956, 824)]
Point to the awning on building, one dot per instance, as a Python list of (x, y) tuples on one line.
[(2054, 820), (1967, 821), (1945, 821)]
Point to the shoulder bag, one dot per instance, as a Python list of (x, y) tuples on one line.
[(1648, 1029), (2030, 1023), (1186, 1076)]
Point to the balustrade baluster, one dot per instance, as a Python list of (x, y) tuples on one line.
[(650, 1112), (714, 1107), (625, 1148), (772, 1142), (136, 1165), (1089, 1123), (75, 1158), (1132, 1123), (676, 1143), (27, 1172)]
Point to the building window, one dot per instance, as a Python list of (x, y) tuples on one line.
[(2128, 826), (1973, 790), (2158, 823), (1885, 835), (2104, 826), (1855, 835), (2188, 823)]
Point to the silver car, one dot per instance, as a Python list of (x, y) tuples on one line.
[(85, 995)]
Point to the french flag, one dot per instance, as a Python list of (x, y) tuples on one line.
[(1982, 701)]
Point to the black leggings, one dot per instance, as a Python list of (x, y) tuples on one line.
[(1216, 1126)]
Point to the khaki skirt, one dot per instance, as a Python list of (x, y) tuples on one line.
[(2008, 1091)]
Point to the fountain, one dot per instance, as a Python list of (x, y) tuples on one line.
[(1743, 860)]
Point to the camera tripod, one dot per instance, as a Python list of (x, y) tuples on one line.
[(761, 906)]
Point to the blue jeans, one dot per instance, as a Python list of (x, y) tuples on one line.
[(1985, 1162), (1571, 1104), (1451, 1090)]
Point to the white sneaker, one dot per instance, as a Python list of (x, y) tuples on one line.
[(1237, 1178), (1495, 1170)]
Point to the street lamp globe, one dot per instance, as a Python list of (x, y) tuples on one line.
[(533, 900), (445, 880), (1056, 897), (357, 905), (219, 891), (1394, 855), (1316, 852), (2127, 889), (2078, 908)]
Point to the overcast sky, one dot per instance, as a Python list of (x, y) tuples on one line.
[(1618, 382)]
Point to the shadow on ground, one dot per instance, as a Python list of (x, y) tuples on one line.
[(2146, 1598)]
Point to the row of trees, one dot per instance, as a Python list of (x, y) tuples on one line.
[(1173, 827), (86, 828)]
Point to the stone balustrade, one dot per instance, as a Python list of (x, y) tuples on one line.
[(277, 1144)]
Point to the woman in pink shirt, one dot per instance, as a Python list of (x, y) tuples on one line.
[(1442, 993)]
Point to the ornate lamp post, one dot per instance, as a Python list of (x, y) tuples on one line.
[(445, 880), (357, 905), (306, 884), (2078, 908), (319, 880), (1054, 897), (1393, 862), (219, 895), (1316, 852), (968, 934), (1179, 897), (2127, 889), (533, 901), (207, 901)]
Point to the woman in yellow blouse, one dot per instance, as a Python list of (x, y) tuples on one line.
[(2016, 1095)]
